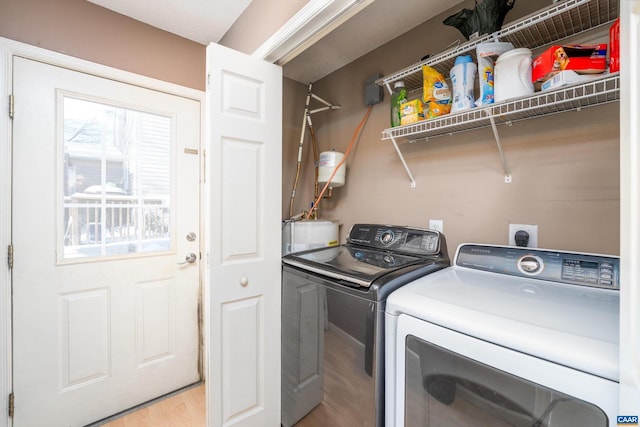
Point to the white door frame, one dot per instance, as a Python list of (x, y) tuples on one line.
[(9, 49), (629, 209)]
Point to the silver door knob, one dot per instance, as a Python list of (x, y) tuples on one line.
[(190, 259)]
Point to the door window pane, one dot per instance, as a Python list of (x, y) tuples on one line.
[(117, 180)]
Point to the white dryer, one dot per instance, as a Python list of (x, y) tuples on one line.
[(506, 336)]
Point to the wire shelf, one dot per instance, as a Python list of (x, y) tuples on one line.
[(555, 22), (599, 91), (538, 30)]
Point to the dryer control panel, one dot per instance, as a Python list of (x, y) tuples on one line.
[(574, 268), (417, 241)]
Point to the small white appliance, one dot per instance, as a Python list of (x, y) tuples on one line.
[(304, 235), (506, 336)]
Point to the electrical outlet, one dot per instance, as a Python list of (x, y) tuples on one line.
[(436, 224), (529, 228)]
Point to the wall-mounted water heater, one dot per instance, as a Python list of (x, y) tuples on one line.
[(327, 163)]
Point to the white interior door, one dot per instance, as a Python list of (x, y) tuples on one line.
[(244, 152), (629, 208), (105, 210)]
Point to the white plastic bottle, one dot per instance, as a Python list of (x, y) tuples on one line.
[(487, 53), (513, 74), (463, 75)]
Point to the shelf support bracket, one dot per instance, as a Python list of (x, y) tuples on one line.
[(406, 168), (505, 166)]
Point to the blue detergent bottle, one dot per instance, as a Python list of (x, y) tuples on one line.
[(463, 75)]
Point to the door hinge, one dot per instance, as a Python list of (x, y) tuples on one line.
[(12, 405), (10, 256), (11, 106)]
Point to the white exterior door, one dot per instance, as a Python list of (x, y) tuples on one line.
[(105, 208), (244, 159), (629, 208)]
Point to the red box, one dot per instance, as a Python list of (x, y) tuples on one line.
[(614, 47), (583, 59)]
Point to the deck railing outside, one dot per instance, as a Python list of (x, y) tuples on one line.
[(114, 222)]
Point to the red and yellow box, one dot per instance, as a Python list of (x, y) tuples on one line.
[(583, 59)]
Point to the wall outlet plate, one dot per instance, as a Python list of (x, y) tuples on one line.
[(436, 224), (529, 228)]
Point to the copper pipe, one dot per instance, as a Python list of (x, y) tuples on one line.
[(305, 118)]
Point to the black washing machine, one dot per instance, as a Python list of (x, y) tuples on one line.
[(333, 303)]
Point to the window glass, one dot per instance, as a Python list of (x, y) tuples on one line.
[(117, 180)]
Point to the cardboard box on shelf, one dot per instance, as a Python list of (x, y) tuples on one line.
[(564, 78), (583, 59)]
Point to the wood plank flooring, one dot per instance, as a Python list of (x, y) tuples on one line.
[(185, 409)]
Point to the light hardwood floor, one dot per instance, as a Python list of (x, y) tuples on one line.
[(185, 409)]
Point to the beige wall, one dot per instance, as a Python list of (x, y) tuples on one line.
[(565, 167), (83, 30)]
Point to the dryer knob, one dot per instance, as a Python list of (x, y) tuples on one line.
[(530, 264)]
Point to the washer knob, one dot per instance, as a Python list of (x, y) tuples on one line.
[(387, 237)]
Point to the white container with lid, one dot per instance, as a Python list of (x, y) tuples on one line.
[(308, 234), (512, 75)]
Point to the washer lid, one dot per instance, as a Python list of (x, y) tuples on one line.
[(575, 326), (350, 263)]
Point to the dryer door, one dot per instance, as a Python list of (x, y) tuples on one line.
[(446, 375)]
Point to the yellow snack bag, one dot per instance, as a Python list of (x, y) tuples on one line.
[(411, 112), (436, 93)]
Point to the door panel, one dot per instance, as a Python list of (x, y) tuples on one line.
[(242, 163), (105, 189), (241, 337), (155, 324), (244, 97), (85, 351)]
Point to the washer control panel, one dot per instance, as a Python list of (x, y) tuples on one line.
[(575, 268), (397, 238)]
